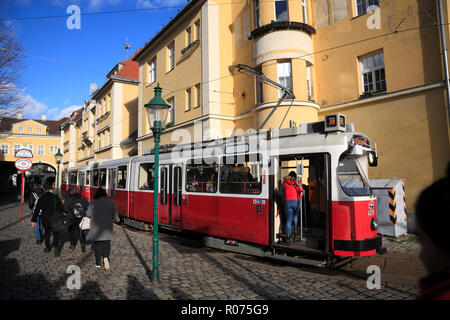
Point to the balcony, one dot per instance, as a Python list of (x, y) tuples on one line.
[(282, 40)]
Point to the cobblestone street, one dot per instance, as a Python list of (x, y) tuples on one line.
[(187, 271)]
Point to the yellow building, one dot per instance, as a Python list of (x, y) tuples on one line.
[(381, 66), (105, 127), (42, 137)]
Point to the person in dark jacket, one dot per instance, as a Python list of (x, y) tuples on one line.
[(37, 192), (102, 212), (293, 192), (433, 220), (48, 204), (76, 207)]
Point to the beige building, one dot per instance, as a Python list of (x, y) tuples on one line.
[(381, 66), (105, 127)]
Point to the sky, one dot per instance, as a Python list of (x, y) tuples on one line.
[(61, 63)]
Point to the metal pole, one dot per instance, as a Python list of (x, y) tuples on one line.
[(21, 193), (444, 53), (57, 181), (155, 270)]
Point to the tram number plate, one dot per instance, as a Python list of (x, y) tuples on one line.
[(257, 201)]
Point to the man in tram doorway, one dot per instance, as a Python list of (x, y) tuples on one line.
[(293, 192)]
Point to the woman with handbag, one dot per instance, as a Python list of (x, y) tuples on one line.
[(102, 212), (49, 205)]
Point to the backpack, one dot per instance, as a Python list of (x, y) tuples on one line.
[(78, 210)]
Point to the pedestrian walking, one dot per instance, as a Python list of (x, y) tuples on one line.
[(49, 204), (36, 193), (293, 192), (102, 212), (433, 220), (76, 207)]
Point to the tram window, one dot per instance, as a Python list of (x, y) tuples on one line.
[(88, 177), (122, 177), (241, 174), (350, 177), (64, 178), (73, 177), (103, 178), (202, 177), (146, 176), (163, 189), (95, 178)]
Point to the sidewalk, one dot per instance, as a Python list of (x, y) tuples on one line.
[(401, 263), (188, 271)]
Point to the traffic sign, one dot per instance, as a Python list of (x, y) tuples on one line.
[(24, 153), (23, 164)]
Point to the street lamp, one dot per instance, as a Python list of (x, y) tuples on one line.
[(157, 110), (58, 158)]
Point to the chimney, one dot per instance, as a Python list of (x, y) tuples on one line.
[(19, 114), (44, 117)]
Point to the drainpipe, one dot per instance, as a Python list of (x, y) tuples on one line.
[(444, 52)]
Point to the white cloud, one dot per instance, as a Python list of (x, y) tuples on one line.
[(66, 112), (33, 109)]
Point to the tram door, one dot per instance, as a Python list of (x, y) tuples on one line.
[(164, 193), (170, 194), (312, 170), (112, 173)]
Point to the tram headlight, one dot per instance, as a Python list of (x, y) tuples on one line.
[(374, 224)]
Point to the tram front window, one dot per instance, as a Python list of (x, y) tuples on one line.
[(353, 177)]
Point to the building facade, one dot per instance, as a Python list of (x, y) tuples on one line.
[(105, 127), (378, 62), (41, 136)]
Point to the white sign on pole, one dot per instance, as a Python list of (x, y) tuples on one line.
[(23, 164)]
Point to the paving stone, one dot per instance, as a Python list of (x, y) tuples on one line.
[(186, 271)]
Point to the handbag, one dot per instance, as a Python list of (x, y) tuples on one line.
[(85, 223)]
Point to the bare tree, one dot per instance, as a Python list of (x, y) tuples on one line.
[(11, 70)]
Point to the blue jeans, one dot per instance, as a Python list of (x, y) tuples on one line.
[(292, 209), (39, 234)]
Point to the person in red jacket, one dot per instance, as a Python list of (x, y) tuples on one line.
[(293, 192), (433, 221)]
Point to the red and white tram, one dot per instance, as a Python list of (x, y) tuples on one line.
[(226, 189)]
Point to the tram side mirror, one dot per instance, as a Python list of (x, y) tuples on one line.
[(372, 157)]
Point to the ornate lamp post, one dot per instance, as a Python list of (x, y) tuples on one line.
[(58, 158), (157, 110)]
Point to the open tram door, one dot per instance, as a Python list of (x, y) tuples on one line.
[(311, 236)]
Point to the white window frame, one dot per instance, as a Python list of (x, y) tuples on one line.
[(188, 36), (30, 129), (152, 71), (364, 4), (304, 11), (171, 55), (197, 29), (371, 68), (275, 10), (171, 115), (39, 130), (308, 82), (40, 150), (4, 149), (284, 71), (16, 148), (188, 99), (20, 129), (198, 96)]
